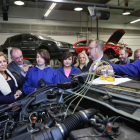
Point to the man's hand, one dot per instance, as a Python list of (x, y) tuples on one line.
[(106, 67), (26, 67)]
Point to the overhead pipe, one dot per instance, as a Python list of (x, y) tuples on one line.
[(86, 4), (5, 5)]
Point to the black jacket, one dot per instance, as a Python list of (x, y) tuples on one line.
[(16, 71), (83, 69)]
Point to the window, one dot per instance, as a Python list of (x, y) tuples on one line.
[(17, 38), (7, 41), (89, 42), (82, 43), (28, 37)]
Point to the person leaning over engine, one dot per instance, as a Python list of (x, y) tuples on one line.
[(8, 83), (132, 69), (42, 71), (96, 54)]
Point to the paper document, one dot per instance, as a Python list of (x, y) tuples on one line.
[(117, 81)]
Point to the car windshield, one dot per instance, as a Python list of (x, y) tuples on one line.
[(44, 37)]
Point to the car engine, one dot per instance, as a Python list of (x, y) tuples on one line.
[(44, 115)]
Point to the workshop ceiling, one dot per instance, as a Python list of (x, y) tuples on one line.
[(70, 7)]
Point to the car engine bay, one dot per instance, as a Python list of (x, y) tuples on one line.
[(46, 115)]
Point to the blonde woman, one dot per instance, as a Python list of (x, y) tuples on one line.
[(82, 61), (8, 83)]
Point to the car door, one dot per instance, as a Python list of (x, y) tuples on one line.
[(80, 46), (29, 44), (16, 41)]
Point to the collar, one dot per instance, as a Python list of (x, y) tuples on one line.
[(98, 60), (128, 61), (42, 68), (4, 86)]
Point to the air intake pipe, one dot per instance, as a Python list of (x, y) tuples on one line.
[(61, 131)]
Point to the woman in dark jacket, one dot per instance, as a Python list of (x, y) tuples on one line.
[(67, 68), (8, 84), (82, 61), (42, 71)]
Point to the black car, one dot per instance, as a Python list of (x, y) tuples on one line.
[(29, 43)]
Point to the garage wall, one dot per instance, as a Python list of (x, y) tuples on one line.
[(132, 41), (67, 26)]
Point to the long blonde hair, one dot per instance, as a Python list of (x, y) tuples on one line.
[(86, 57)]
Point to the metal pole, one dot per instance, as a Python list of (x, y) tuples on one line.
[(80, 22), (118, 3), (87, 26), (97, 27)]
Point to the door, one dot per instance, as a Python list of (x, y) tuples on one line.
[(29, 44), (82, 45), (16, 41)]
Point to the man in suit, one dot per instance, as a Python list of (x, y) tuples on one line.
[(95, 50), (123, 57), (18, 67)]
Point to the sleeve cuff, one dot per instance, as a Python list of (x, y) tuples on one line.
[(23, 74)]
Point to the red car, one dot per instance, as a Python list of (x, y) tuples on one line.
[(111, 46)]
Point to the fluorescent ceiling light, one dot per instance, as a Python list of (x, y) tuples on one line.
[(126, 13), (50, 9), (135, 21), (18, 2), (78, 9)]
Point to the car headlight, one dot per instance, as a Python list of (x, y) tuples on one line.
[(58, 44), (73, 47)]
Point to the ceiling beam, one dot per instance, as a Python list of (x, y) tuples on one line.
[(86, 4)]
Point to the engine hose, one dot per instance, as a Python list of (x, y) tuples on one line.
[(77, 120), (24, 110), (101, 116), (111, 119), (104, 120), (40, 90)]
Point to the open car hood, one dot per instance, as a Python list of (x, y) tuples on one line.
[(116, 36)]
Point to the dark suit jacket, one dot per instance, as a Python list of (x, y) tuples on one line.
[(91, 61), (16, 71)]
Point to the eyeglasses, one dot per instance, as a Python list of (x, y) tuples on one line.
[(90, 48), (18, 58)]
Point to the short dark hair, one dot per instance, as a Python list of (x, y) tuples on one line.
[(136, 51), (65, 56), (14, 49), (125, 49), (45, 55)]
